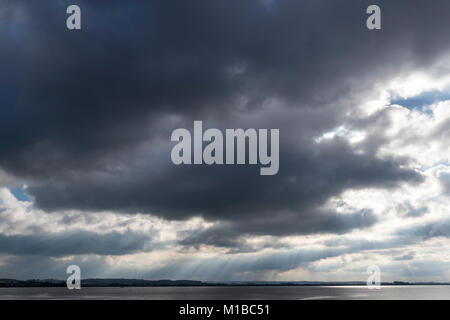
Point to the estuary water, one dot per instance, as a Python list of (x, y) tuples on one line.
[(233, 293)]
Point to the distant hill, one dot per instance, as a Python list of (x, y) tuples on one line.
[(99, 283), (5, 283)]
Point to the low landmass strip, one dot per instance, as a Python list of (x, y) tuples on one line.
[(8, 283)]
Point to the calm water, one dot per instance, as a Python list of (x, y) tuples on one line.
[(239, 293)]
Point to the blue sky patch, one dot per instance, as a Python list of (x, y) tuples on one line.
[(420, 101), (20, 194)]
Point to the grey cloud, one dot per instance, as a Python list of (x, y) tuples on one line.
[(440, 228), (227, 234), (73, 243), (405, 257), (45, 267), (407, 209), (250, 266), (445, 178)]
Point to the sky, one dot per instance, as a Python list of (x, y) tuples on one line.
[(86, 116)]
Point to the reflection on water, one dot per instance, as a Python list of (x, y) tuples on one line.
[(232, 293)]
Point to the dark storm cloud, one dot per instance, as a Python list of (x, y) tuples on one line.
[(286, 202), (71, 98), (77, 105), (73, 243)]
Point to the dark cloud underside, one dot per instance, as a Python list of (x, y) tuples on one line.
[(86, 116)]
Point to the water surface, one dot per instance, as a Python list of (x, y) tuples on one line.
[(233, 293)]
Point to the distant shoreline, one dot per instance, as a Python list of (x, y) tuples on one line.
[(46, 283)]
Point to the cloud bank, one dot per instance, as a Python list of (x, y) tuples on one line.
[(86, 119)]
